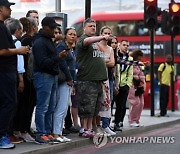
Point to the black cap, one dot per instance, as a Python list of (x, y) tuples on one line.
[(50, 22), (6, 3)]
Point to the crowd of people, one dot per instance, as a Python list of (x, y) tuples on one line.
[(65, 79)]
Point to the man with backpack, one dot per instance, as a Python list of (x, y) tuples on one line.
[(165, 75), (123, 81)]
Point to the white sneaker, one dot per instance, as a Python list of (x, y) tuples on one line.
[(109, 131), (27, 137), (100, 131), (66, 139), (140, 125), (134, 124), (60, 139), (107, 134)]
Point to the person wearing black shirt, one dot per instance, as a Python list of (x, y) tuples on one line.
[(27, 101), (8, 75), (46, 70)]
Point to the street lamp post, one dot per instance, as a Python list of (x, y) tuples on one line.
[(87, 9), (58, 6), (61, 18)]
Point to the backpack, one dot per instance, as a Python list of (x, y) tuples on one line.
[(164, 67), (30, 66)]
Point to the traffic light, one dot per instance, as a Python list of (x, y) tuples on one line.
[(150, 13), (174, 18), (165, 22)]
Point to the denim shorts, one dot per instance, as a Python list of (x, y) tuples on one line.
[(89, 96)]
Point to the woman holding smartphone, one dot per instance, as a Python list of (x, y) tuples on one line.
[(64, 87)]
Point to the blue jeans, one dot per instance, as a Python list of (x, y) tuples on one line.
[(156, 100), (46, 91), (111, 86), (64, 99), (178, 91), (105, 122)]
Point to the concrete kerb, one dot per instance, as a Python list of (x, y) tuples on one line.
[(83, 142), (60, 147), (133, 131)]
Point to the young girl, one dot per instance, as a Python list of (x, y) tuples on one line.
[(105, 112)]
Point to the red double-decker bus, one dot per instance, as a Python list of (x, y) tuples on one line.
[(130, 25)]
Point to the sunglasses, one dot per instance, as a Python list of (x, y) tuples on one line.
[(89, 20), (68, 28)]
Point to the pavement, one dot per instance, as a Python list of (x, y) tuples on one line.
[(149, 122)]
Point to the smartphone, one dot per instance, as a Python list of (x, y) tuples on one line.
[(67, 49)]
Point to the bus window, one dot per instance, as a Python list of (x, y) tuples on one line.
[(120, 28), (79, 28), (123, 30), (159, 31), (126, 28), (111, 24), (141, 31)]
